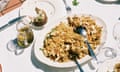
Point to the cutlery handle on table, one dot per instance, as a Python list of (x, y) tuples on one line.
[(91, 52), (65, 2), (4, 27), (11, 23), (79, 66)]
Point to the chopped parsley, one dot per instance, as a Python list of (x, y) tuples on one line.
[(75, 2)]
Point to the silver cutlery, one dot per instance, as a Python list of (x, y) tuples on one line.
[(119, 18), (81, 30), (78, 65), (68, 8), (73, 56), (10, 23)]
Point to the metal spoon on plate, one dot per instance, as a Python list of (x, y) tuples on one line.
[(82, 30), (73, 56)]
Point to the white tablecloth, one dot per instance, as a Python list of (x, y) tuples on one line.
[(26, 62)]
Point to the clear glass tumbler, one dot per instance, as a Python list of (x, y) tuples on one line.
[(24, 37)]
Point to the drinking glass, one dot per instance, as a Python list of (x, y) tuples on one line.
[(116, 33), (105, 54), (24, 37), (110, 66)]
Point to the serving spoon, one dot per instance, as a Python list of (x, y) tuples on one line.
[(82, 30), (73, 56)]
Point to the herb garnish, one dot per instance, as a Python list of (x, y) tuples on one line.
[(75, 2)]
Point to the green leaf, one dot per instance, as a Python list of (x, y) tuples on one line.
[(75, 2)]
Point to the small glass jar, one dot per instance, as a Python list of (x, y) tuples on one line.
[(24, 34), (24, 37)]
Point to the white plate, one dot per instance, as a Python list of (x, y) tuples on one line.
[(39, 44), (28, 8)]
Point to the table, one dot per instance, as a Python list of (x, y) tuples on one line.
[(12, 4), (26, 62)]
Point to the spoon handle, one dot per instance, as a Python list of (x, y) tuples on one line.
[(79, 66), (65, 3), (91, 52)]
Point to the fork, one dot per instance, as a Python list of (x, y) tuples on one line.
[(68, 8)]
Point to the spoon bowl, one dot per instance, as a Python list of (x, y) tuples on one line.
[(82, 31)]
